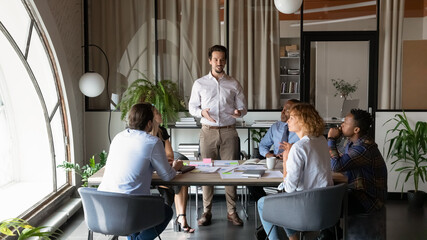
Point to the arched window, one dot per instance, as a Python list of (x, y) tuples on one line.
[(33, 129)]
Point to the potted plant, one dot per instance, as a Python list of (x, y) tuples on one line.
[(164, 95), (256, 136), (87, 170), (344, 89), (22, 229), (409, 150)]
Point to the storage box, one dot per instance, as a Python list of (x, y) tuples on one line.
[(282, 51)]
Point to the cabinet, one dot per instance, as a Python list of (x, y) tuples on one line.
[(289, 69)]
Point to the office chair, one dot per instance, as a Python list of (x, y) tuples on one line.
[(308, 210), (120, 214)]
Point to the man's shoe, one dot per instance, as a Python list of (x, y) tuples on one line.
[(235, 219), (205, 219)]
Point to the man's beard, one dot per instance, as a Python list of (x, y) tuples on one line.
[(219, 71)]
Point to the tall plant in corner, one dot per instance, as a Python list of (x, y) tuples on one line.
[(164, 95), (409, 149)]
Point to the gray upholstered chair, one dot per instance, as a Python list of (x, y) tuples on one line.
[(309, 210), (120, 214)]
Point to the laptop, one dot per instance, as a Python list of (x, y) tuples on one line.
[(185, 169)]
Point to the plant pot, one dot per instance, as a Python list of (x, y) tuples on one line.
[(416, 199)]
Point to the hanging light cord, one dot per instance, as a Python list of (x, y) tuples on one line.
[(108, 94)]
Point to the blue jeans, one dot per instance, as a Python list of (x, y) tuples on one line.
[(151, 233), (274, 234)]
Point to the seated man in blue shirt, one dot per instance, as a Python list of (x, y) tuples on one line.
[(276, 134)]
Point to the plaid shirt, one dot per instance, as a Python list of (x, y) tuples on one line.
[(365, 168)]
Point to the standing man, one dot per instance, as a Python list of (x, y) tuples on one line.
[(361, 162), (275, 136), (218, 99)]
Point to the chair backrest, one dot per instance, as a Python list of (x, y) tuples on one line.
[(120, 214), (309, 210)]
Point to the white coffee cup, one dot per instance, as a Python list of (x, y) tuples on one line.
[(271, 162)]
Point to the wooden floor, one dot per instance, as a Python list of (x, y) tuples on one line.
[(401, 224)]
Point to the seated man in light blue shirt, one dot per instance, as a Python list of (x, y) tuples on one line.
[(276, 134)]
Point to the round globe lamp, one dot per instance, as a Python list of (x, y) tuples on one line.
[(287, 6), (91, 84)]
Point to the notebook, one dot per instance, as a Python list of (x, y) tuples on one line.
[(256, 173)]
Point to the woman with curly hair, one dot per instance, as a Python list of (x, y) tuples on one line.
[(306, 162)]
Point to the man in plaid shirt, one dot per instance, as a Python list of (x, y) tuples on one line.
[(361, 162)]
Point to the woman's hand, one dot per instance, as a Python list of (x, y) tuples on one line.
[(286, 148), (177, 165)]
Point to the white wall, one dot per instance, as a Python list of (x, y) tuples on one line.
[(380, 132)]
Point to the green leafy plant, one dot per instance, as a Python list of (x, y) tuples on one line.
[(257, 135), (408, 147), (164, 95), (87, 170), (344, 89), (22, 229)]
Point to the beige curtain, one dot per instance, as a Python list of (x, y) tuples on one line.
[(254, 51), (125, 31), (200, 30), (390, 56)]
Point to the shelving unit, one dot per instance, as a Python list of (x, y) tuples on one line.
[(289, 70)]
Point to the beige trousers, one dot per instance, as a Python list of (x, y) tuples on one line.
[(221, 144)]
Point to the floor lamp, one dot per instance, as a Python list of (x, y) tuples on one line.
[(92, 84)]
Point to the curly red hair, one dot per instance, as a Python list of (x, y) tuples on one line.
[(312, 123)]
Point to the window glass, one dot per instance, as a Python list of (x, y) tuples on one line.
[(29, 156), (14, 17), (40, 65)]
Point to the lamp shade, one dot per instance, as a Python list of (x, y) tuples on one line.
[(287, 6), (91, 84)]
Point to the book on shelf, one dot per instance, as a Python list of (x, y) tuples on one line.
[(256, 173), (289, 87), (186, 124), (187, 119), (263, 123)]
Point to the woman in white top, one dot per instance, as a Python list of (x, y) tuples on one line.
[(306, 162)]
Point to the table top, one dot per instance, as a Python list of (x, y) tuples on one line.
[(212, 179)]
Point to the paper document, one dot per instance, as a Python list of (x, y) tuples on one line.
[(231, 175), (206, 169), (273, 174), (251, 167), (226, 163)]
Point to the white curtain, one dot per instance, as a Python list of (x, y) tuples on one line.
[(254, 51), (390, 56)]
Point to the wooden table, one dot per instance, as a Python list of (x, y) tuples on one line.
[(212, 179)]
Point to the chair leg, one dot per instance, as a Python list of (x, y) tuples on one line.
[(90, 235), (269, 232), (336, 232), (158, 235)]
